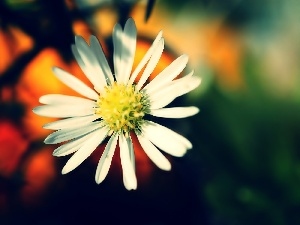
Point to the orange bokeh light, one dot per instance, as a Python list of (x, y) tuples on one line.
[(39, 172), (14, 42), (37, 80), (13, 145), (225, 56)]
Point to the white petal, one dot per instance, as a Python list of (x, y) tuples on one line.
[(175, 112), (72, 133), (168, 74), (79, 59), (181, 85), (145, 58), (65, 99), (98, 51), (129, 177), (152, 64), (173, 90), (105, 160), (62, 111), (85, 150), (166, 139), (131, 151), (93, 71), (128, 49), (117, 42), (71, 146), (75, 83), (154, 154), (70, 122), (175, 135), (180, 82), (166, 98)]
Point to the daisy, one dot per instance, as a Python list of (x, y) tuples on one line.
[(117, 105)]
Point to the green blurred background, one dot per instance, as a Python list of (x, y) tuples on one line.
[(244, 168)]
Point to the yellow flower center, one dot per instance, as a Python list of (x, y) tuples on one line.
[(122, 108)]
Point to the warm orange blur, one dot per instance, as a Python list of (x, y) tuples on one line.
[(13, 43), (37, 80), (13, 145), (36, 166), (39, 173), (210, 42), (225, 56)]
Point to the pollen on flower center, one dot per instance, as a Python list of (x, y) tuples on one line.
[(122, 108)]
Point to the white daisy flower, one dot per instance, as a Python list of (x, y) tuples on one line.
[(117, 106)]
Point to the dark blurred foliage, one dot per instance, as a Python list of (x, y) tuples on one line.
[(123, 7), (237, 13), (244, 167), (248, 148), (246, 139)]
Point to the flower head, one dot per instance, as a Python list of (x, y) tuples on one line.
[(117, 105)]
